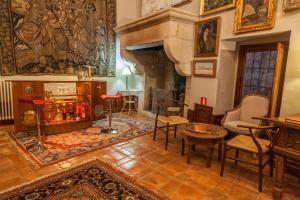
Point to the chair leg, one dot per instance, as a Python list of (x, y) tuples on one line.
[(220, 151), (271, 163), (182, 146), (260, 172), (167, 136), (155, 129), (237, 152), (223, 159), (175, 130)]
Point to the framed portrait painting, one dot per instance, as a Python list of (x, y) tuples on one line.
[(207, 35), (211, 6), (289, 5), (205, 68), (254, 15)]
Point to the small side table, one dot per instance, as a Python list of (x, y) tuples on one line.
[(204, 134)]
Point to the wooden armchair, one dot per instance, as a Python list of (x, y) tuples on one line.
[(252, 144)]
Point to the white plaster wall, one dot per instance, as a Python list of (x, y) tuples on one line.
[(126, 12), (210, 88)]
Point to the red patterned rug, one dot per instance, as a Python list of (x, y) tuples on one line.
[(63, 146), (92, 180)]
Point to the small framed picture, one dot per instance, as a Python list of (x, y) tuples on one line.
[(207, 35), (205, 68), (289, 5)]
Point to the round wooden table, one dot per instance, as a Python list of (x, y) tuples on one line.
[(205, 134)]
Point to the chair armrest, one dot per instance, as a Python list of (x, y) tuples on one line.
[(258, 127), (232, 115), (274, 129)]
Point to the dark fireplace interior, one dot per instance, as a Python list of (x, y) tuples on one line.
[(163, 85)]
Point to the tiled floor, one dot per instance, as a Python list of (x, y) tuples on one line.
[(165, 172)]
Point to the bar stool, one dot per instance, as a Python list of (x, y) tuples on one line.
[(110, 99)]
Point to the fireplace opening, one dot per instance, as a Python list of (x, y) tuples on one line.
[(163, 86)]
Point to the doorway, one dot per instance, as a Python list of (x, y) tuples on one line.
[(261, 71)]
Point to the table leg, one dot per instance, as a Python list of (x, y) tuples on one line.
[(189, 147), (220, 147), (167, 136), (210, 151), (182, 146), (194, 148), (279, 177), (38, 124)]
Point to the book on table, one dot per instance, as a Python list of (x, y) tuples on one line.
[(295, 119)]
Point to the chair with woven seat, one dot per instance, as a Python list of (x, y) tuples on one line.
[(251, 106), (168, 122), (251, 144), (177, 107)]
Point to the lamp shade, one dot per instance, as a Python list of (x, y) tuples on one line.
[(126, 71)]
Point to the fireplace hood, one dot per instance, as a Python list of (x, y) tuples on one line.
[(170, 28)]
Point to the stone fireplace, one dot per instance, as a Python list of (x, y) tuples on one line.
[(160, 46)]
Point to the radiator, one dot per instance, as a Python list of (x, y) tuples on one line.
[(6, 101)]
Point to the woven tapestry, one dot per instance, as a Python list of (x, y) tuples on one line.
[(57, 36)]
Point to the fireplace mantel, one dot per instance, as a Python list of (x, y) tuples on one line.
[(171, 28), (170, 14)]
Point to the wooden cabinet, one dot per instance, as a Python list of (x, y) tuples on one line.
[(287, 153), (70, 96)]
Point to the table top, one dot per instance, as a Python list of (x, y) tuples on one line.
[(203, 131)]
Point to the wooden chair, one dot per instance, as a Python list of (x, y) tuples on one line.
[(178, 106), (252, 144), (168, 122)]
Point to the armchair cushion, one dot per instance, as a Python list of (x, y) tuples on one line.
[(233, 126), (254, 106), (232, 115)]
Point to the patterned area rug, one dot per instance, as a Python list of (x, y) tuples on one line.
[(62, 146), (92, 180)]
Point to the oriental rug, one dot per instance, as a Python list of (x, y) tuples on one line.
[(63, 146), (91, 180)]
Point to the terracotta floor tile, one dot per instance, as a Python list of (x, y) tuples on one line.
[(187, 192), (170, 188), (164, 172), (176, 166), (215, 195), (156, 179), (240, 192)]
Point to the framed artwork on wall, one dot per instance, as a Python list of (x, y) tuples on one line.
[(205, 68), (211, 6), (289, 5), (254, 15), (207, 35)]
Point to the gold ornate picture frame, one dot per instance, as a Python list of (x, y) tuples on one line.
[(205, 68), (212, 6), (289, 5), (207, 37), (254, 15)]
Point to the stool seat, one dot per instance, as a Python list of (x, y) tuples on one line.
[(106, 97)]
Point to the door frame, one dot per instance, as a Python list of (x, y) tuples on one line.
[(278, 77)]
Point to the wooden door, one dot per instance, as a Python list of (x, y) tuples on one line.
[(261, 72)]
